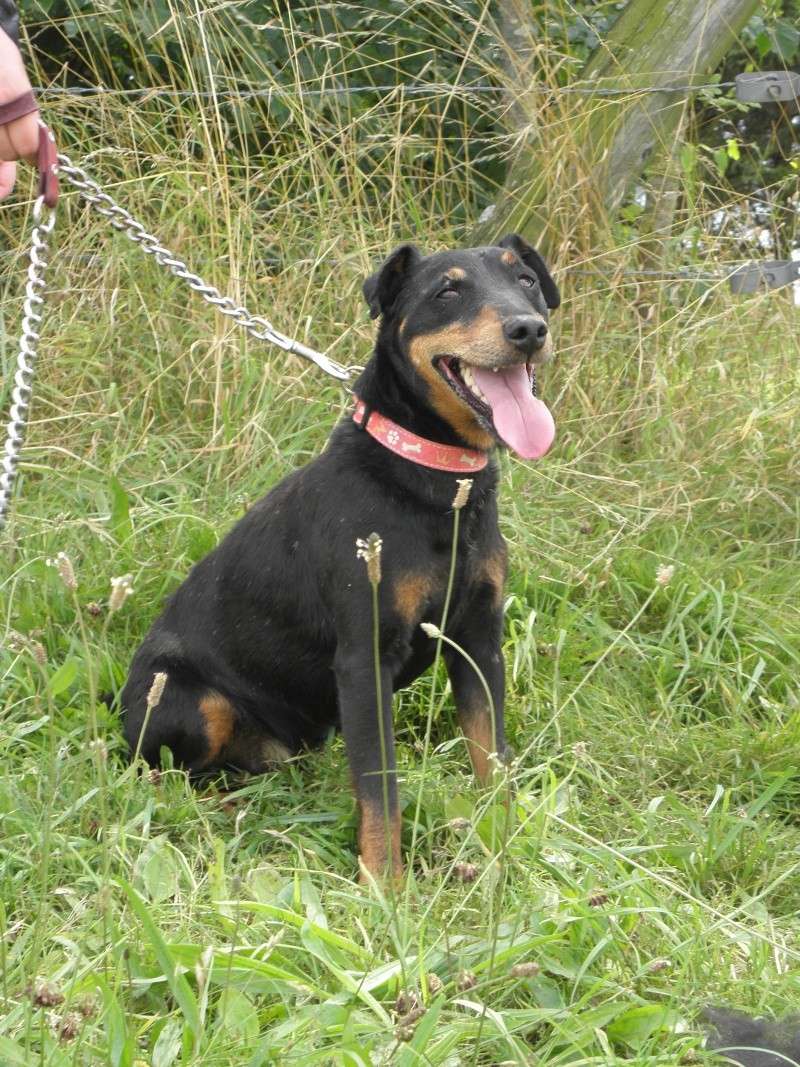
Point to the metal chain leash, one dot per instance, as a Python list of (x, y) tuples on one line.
[(255, 325), (26, 357), (122, 220)]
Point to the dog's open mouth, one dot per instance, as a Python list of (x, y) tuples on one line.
[(503, 401)]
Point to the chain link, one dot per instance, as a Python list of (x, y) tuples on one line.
[(122, 220), (26, 357), (256, 325)]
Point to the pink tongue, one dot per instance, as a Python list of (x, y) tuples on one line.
[(523, 422)]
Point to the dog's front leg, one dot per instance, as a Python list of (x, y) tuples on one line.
[(480, 713), (369, 739)]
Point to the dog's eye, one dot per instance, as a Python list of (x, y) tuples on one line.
[(527, 281), (447, 293)]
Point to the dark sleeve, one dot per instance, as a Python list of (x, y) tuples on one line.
[(9, 19)]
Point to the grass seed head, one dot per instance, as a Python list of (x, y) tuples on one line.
[(405, 1002), (87, 1007), (16, 642), (46, 994), (462, 493), (156, 690), (63, 564), (465, 872), (68, 1026), (100, 748), (664, 574), (529, 969), (121, 589), (460, 823), (656, 966), (465, 980), (370, 552), (409, 1010)]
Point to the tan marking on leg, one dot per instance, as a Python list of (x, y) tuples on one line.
[(476, 726), (411, 592), (492, 570), (219, 719), (378, 843), (508, 258)]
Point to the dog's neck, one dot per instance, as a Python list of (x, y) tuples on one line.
[(382, 387), (453, 459)]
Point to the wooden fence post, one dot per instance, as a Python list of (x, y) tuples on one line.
[(584, 151)]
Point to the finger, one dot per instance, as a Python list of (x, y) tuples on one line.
[(24, 136), (7, 153), (8, 175)]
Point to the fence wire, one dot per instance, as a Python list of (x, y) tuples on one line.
[(397, 92), (343, 91)]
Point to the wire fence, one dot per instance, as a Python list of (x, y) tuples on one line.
[(724, 272), (763, 86), (413, 89)]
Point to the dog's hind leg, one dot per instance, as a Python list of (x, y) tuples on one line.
[(195, 723)]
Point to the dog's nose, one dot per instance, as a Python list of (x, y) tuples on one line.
[(526, 332)]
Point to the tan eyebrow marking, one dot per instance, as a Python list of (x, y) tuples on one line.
[(455, 274), (509, 258)]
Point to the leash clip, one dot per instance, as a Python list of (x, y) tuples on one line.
[(47, 163)]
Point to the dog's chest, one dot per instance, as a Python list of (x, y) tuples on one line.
[(418, 593)]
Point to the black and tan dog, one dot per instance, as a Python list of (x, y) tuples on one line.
[(268, 643)]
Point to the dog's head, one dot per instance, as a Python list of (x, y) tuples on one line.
[(472, 324)]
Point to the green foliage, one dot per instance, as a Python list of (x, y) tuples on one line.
[(356, 47), (765, 160), (647, 862)]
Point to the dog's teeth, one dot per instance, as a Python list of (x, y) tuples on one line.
[(469, 381), (495, 369)]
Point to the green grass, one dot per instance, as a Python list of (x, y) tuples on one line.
[(652, 861)]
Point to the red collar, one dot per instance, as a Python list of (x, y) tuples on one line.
[(417, 449)]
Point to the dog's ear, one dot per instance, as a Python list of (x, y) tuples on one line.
[(531, 258), (383, 287)]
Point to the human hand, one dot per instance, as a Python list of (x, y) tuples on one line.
[(18, 139)]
